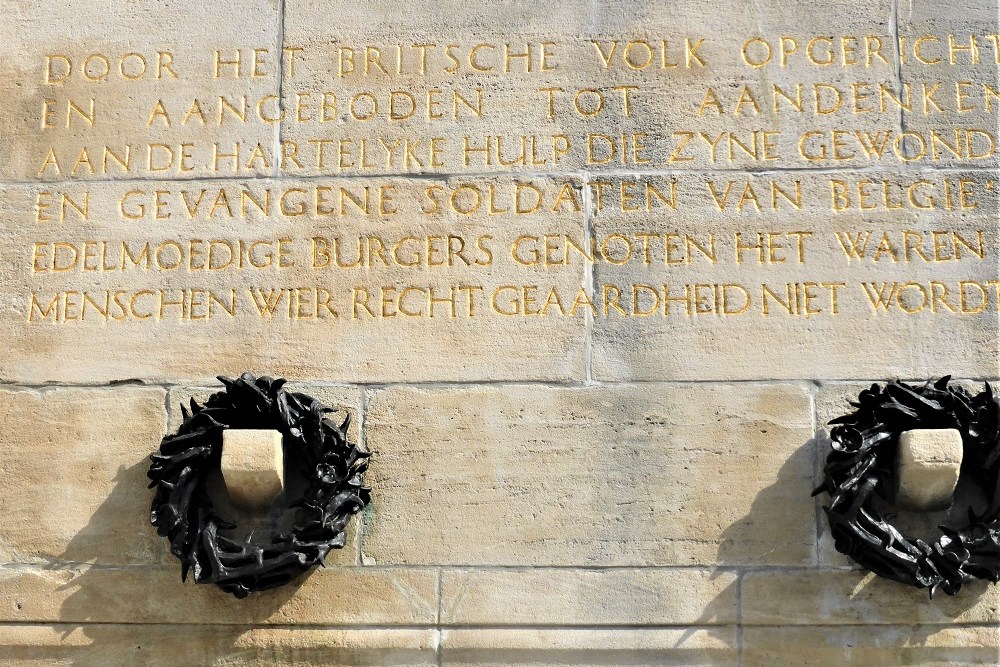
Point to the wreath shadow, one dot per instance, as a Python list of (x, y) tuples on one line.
[(741, 543), (888, 610), (870, 591), (133, 608)]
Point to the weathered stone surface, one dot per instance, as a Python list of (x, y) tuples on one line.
[(953, 117), (308, 319), (929, 464), (843, 597), (901, 311), (630, 475), (158, 646), (171, 38), (934, 646), (73, 468), (671, 596), (341, 596), (586, 648), (615, 485), (656, 100)]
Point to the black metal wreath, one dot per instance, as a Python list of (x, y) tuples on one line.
[(862, 465), (183, 511)]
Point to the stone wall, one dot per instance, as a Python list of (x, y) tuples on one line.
[(618, 478)]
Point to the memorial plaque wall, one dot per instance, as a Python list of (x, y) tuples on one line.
[(590, 278)]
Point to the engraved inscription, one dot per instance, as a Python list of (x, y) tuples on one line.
[(588, 197)]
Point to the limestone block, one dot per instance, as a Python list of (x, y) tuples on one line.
[(959, 68), (676, 52), (73, 468), (328, 596), (735, 327), (528, 647), (541, 596), (604, 475), (252, 466), (929, 464), (864, 645), (312, 319), (158, 51), (845, 597), (158, 646)]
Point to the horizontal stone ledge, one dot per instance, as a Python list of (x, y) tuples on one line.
[(160, 646), (864, 645), (184, 391), (588, 647)]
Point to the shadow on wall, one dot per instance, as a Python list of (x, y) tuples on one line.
[(780, 527), (721, 612), (197, 624), (827, 588), (943, 608)]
